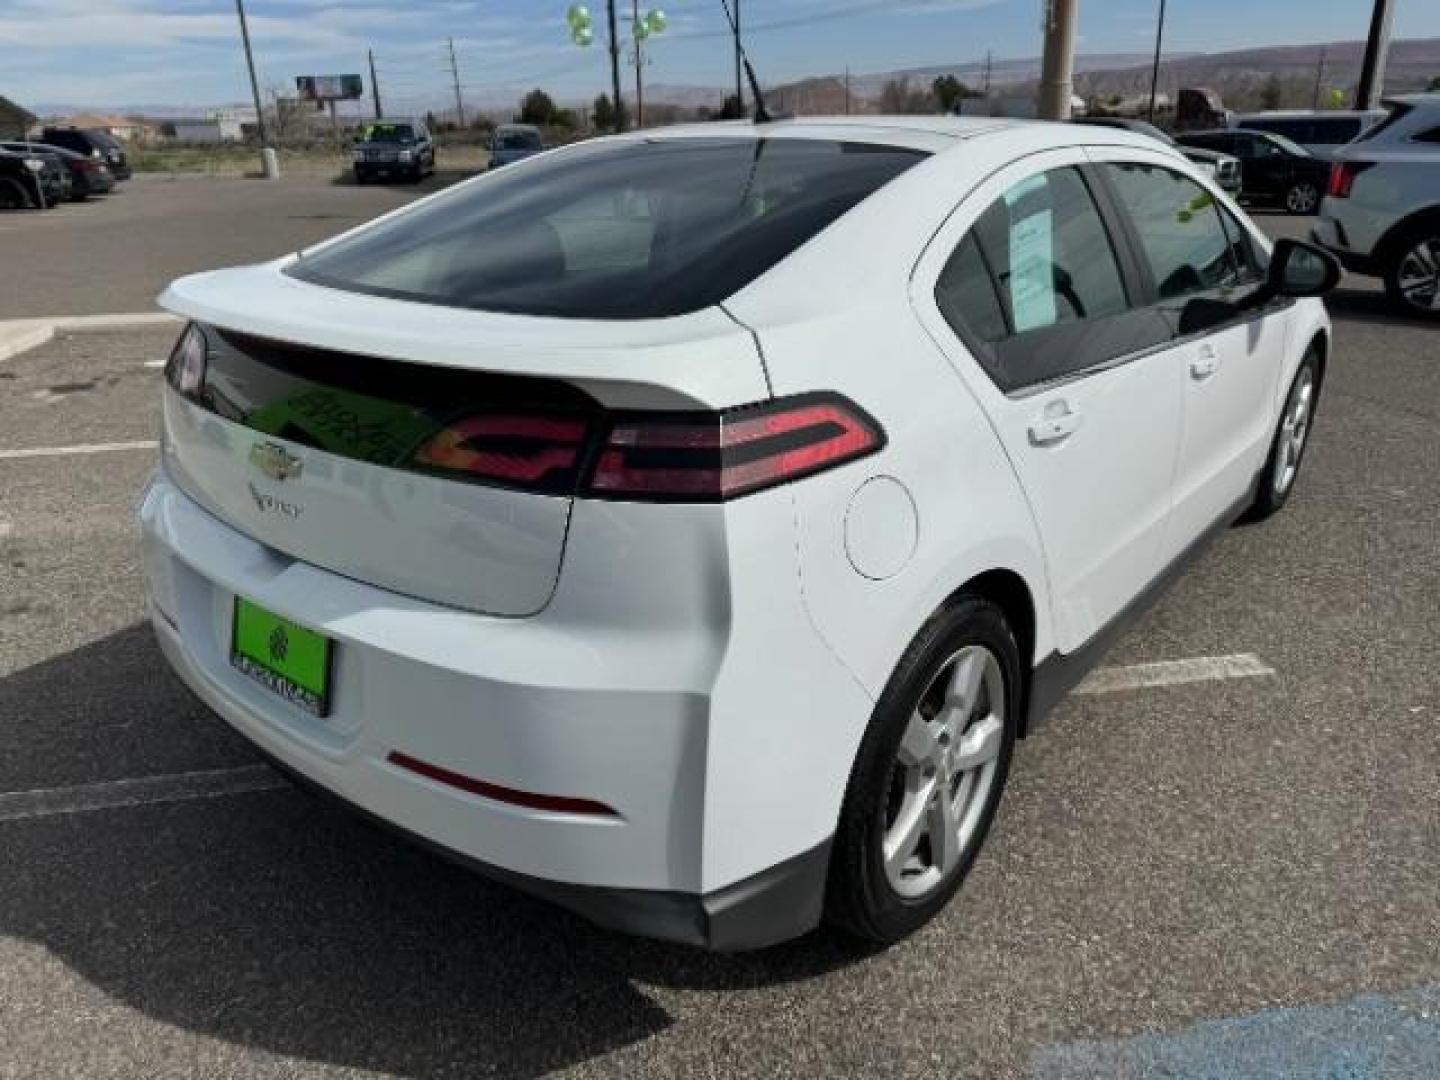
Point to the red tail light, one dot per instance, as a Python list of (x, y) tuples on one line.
[(1342, 177), (534, 452), (712, 457)]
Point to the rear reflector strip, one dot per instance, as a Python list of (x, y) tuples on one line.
[(555, 804)]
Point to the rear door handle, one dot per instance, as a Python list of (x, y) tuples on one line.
[(1056, 424), (1205, 364)]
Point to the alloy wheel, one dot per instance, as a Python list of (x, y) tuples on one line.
[(1302, 199), (943, 772), (1418, 278), (1294, 429)]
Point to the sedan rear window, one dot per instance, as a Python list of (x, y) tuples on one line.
[(615, 230)]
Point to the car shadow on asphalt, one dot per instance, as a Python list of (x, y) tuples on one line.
[(440, 179), (275, 921), (1371, 306)]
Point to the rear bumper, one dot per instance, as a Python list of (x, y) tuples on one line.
[(649, 721), (1330, 233)]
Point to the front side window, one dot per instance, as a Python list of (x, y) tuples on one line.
[(1180, 230), (617, 230)]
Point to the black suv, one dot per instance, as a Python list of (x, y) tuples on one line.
[(394, 148), (100, 145), (31, 179), (1272, 168)]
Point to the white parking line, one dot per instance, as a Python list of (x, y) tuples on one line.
[(146, 791), (1173, 672), (70, 451)]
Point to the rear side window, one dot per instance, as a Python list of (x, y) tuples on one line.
[(1035, 287), (1179, 227), (1340, 130), (1431, 135), (617, 230)]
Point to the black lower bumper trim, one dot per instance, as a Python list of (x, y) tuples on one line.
[(772, 906)]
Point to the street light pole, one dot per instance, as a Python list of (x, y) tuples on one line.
[(1372, 71), (267, 156), (1155, 71), (1057, 75), (615, 66), (739, 86)]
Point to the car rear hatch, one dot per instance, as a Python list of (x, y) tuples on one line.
[(427, 450)]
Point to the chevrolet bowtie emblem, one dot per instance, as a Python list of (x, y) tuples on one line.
[(275, 461)]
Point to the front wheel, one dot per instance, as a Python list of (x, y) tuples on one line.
[(1292, 436), (1303, 197), (1412, 272), (928, 777)]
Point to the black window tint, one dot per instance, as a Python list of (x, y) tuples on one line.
[(1179, 227), (966, 294), (1333, 130), (616, 230), (1050, 253), (1430, 136)]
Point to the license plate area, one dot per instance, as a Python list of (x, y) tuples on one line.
[(290, 661)]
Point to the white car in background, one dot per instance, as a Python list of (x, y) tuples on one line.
[(1381, 214), (684, 526)]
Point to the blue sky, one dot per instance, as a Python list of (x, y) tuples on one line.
[(186, 52)]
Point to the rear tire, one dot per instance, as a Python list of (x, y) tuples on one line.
[(928, 777), (1412, 270), (1292, 437)]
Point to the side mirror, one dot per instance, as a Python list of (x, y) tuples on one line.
[(1301, 269)]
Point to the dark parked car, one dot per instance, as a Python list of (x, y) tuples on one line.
[(401, 148), (1224, 168), (1273, 169), (87, 176), (514, 142), (100, 145), (27, 180)]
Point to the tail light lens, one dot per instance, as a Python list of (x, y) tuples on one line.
[(715, 456), (538, 453), (185, 370), (1342, 177)]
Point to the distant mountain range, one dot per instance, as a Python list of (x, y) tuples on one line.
[(1238, 74)]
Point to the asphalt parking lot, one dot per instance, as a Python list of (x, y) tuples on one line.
[(1219, 877)]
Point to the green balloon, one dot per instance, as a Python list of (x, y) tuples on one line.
[(583, 36), (655, 21), (578, 17)]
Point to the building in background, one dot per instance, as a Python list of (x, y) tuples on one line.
[(124, 128), (15, 122), (236, 121)]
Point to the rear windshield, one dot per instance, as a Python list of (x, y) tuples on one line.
[(517, 140), (613, 230), (389, 133)]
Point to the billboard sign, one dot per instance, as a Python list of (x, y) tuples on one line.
[(329, 87)]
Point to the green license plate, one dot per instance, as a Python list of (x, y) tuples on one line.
[(288, 660)]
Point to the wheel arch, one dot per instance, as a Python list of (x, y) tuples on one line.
[(1396, 234), (1009, 591)]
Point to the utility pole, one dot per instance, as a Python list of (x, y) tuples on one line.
[(739, 86), (1155, 70), (847, 89), (1319, 78), (639, 64), (375, 85), (1372, 71), (268, 163), (989, 64), (455, 75), (615, 66), (1057, 73)]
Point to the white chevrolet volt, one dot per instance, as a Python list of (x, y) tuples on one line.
[(684, 526)]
